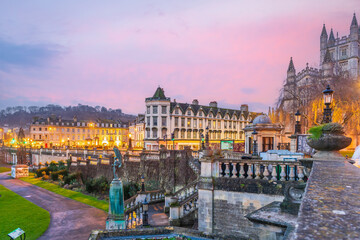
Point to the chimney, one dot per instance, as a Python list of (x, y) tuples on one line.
[(244, 108), (59, 118), (75, 118), (195, 102), (213, 104)]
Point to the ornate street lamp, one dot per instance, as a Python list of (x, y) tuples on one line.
[(297, 122), (145, 214), (254, 133), (142, 183), (207, 137), (328, 97)]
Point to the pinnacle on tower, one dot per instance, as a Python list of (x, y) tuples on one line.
[(291, 66), (354, 21), (332, 37), (323, 32), (327, 58)]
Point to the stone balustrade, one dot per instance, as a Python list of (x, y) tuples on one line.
[(259, 169)]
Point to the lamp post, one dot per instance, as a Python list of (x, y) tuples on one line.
[(145, 214), (202, 141), (328, 97), (254, 133), (142, 183), (297, 122), (207, 144)]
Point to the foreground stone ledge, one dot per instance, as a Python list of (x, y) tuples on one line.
[(331, 206)]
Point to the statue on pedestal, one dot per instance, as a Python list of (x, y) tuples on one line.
[(116, 218)]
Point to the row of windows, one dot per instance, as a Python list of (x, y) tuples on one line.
[(73, 137), (189, 122), (73, 130), (155, 109), (83, 124), (197, 135)]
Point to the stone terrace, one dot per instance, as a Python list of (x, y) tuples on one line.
[(331, 207)]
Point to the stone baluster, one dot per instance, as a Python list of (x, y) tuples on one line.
[(282, 174), (273, 172), (250, 171), (242, 171), (292, 173), (234, 171), (227, 169), (300, 173), (257, 171), (266, 172)]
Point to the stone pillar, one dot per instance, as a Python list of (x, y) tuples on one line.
[(293, 143), (209, 169)]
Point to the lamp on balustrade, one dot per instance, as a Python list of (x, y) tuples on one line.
[(328, 97), (207, 137), (254, 133), (297, 122), (145, 214)]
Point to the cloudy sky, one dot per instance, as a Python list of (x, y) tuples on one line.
[(116, 53)]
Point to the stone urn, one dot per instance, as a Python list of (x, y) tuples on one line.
[(329, 143)]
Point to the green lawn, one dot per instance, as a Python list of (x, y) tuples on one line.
[(4, 169), (92, 201), (17, 212)]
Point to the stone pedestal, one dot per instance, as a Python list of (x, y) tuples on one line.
[(19, 171), (293, 143), (116, 219)]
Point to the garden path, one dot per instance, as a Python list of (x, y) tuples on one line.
[(69, 219)]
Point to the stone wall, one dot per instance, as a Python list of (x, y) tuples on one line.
[(224, 203)]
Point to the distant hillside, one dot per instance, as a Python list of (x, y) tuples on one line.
[(21, 116)]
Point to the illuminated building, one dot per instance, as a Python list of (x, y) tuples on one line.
[(57, 132), (137, 132), (176, 125)]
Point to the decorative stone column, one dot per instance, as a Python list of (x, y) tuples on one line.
[(293, 143)]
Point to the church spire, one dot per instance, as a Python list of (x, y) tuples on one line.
[(331, 38), (323, 32), (291, 67), (354, 22)]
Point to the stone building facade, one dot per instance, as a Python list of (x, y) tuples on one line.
[(189, 123), (137, 132), (58, 132)]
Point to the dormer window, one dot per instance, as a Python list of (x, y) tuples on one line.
[(200, 114), (189, 113), (176, 111)]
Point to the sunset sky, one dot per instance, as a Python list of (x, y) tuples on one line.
[(116, 53)]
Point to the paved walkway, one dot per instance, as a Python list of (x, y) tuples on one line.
[(157, 217), (69, 219)]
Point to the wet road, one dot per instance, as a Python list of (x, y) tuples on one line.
[(69, 219)]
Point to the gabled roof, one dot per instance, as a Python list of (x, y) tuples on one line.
[(207, 109)]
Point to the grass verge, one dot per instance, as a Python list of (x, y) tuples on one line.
[(4, 169), (17, 212), (89, 200)]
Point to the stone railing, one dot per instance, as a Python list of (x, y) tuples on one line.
[(233, 155), (134, 206), (259, 169), (182, 203)]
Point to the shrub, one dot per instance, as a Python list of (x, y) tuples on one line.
[(46, 177), (98, 185), (53, 166), (61, 165), (334, 128), (54, 176), (130, 189), (42, 171), (46, 164), (74, 176), (68, 163)]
